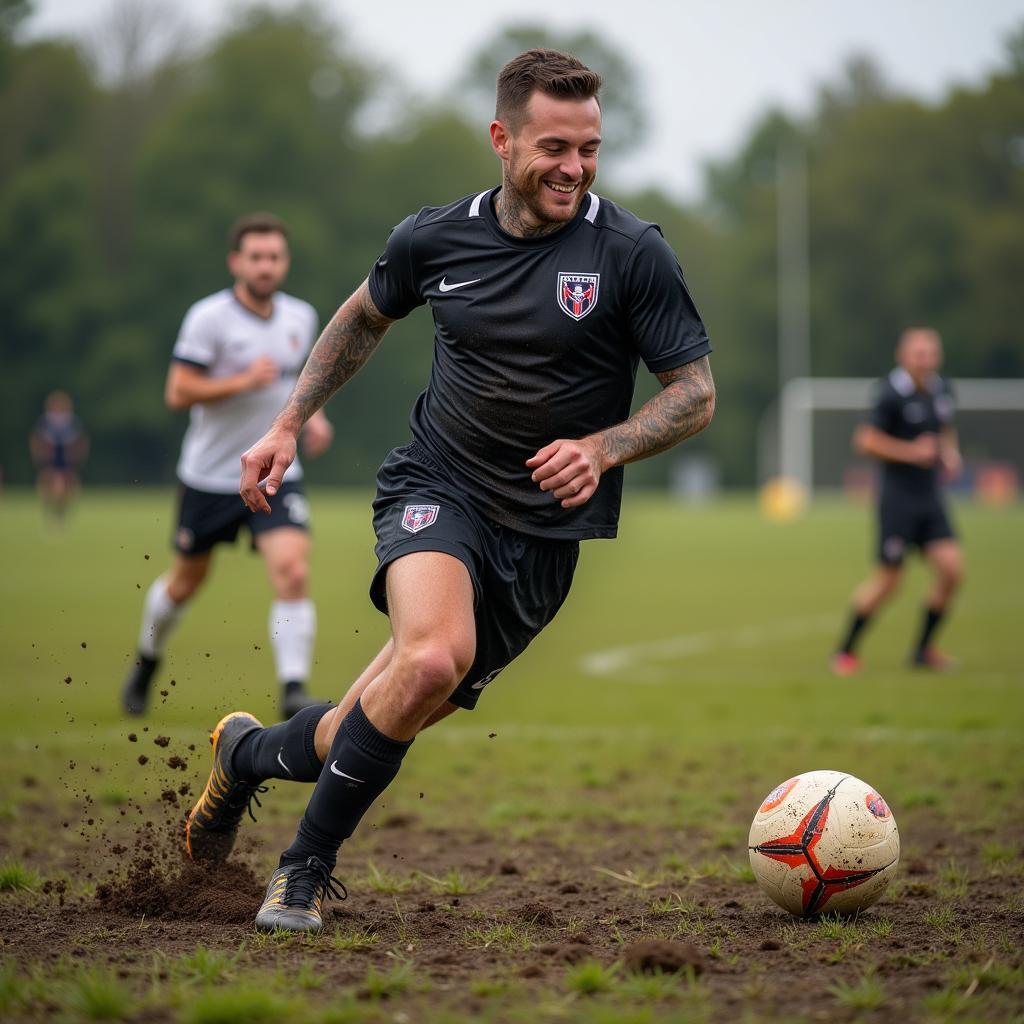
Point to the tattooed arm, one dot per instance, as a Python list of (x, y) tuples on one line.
[(684, 406), (343, 347)]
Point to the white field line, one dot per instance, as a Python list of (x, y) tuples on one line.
[(616, 660)]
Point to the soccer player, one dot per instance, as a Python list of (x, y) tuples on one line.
[(59, 445), (911, 433), (544, 298), (233, 367)]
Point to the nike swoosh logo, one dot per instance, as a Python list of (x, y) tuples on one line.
[(445, 287), (284, 766), (338, 771)]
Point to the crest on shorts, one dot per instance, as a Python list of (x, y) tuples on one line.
[(419, 517), (577, 293)]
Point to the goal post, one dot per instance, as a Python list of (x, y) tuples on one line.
[(803, 397)]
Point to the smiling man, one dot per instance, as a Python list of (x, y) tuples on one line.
[(544, 297)]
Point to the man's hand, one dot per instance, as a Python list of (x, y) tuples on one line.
[(951, 461), (571, 470), (924, 450), (261, 372), (266, 460), (317, 435)]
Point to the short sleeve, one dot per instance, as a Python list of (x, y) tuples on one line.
[(884, 407), (198, 340), (392, 281), (665, 325)]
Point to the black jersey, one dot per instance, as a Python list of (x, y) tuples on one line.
[(62, 434), (535, 339), (903, 411)]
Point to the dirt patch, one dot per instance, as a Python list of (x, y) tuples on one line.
[(667, 957), (531, 909)]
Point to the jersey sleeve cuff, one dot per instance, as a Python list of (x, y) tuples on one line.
[(184, 360), (688, 355)]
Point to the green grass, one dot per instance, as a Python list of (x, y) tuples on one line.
[(684, 678), (14, 876)]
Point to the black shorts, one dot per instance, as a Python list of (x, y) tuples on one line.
[(519, 581), (206, 519), (907, 521)]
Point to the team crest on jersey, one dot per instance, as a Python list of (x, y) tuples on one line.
[(419, 517), (577, 293)]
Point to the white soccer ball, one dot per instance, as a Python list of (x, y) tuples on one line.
[(824, 842)]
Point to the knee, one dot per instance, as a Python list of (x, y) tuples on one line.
[(952, 575), (182, 585), (291, 579), (427, 673)]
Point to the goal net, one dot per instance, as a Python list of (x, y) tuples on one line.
[(807, 437)]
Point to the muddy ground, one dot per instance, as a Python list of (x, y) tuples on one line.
[(492, 928)]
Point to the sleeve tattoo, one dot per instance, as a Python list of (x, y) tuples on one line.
[(345, 344), (681, 409)]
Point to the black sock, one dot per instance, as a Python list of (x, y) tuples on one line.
[(857, 622), (283, 751), (360, 766), (932, 618)]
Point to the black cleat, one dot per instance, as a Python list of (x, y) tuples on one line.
[(212, 824), (294, 896), (294, 698), (135, 693)]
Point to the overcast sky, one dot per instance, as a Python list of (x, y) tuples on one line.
[(707, 68)]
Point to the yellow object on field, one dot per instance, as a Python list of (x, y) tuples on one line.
[(782, 499)]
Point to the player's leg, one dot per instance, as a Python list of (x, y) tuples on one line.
[(164, 605), (204, 520), (946, 560), (895, 526), (292, 624), (283, 540), (433, 646), (245, 755)]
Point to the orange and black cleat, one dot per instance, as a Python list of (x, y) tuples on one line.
[(212, 824)]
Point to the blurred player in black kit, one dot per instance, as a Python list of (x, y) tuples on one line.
[(59, 446), (911, 433), (544, 298)]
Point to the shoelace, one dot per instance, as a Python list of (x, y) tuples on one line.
[(306, 882), (246, 797)]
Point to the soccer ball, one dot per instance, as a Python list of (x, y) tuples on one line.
[(824, 841)]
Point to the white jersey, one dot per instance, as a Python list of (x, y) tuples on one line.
[(223, 337)]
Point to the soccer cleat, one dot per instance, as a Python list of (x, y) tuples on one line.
[(844, 664), (932, 659), (294, 698), (294, 896), (212, 824), (135, 693)]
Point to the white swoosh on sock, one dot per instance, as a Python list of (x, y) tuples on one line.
[(338, 771)]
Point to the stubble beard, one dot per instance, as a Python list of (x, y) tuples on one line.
[(515, 202)]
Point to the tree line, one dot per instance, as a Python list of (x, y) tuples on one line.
[(119, 177)]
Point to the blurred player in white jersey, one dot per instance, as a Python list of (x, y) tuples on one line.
[(233, 367)]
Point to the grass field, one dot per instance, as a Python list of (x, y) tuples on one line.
[(599, 798)]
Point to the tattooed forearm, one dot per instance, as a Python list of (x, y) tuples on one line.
[(343, 347), (684, 407)]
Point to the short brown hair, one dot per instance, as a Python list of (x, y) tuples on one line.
[(549, 71), (255, 223)]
